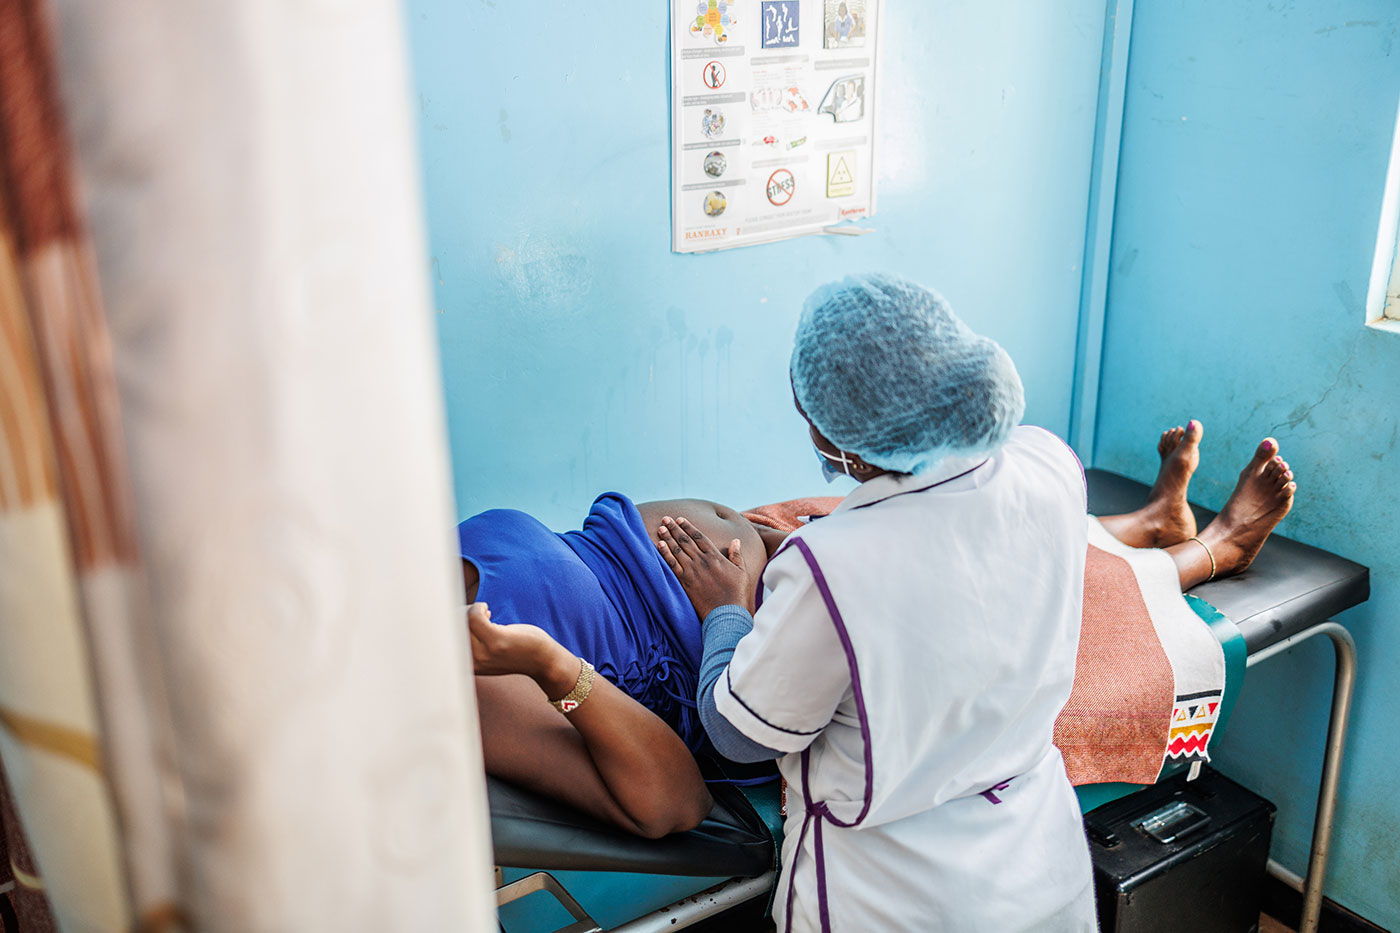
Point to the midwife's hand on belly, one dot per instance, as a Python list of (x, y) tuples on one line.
[(710, 578), (520, 649)]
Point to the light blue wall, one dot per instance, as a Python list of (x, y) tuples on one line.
[(1253, 161), (580, 355)]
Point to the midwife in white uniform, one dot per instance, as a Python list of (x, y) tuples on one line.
[(909, 653)]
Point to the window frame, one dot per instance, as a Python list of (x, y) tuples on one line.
[(1383, 295)]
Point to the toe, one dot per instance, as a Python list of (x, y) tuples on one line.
[(1170, 438), (1267, 448), (1194, 430)]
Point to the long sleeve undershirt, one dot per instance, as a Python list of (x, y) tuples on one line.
[(721, 631)]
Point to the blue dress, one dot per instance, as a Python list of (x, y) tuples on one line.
[(604, 593)]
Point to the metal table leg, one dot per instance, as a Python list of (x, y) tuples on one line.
[(700, 906), (684, 913), (1343, 682), (544, 881)]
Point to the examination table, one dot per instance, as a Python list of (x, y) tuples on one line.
[(602, 878)]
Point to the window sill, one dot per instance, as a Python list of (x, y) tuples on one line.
[(1385, 323)]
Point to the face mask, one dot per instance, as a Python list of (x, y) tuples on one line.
[(828, 471)]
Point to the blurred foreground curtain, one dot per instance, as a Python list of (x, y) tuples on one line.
[(68, 557), (234, 691)]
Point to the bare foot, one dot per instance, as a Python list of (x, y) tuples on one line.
[(1165, 519), (1166, 509), (1261, 499)]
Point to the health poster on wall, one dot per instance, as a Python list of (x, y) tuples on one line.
[(772, 118)]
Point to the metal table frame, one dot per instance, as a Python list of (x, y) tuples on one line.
[(1343, 683), (684, 913), (693, 909)]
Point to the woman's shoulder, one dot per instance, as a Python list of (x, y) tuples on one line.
[(1035, 437), (1049, 456)]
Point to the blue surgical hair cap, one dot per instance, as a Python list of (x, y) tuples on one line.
[(885, 370)]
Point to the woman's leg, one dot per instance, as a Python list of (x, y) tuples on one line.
[(611, 757), (1261, 499), (1165, 519)]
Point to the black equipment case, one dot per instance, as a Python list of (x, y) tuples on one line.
[(1181, 857)]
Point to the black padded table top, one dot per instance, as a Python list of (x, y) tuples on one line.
[(530, 831), (1289, 587)]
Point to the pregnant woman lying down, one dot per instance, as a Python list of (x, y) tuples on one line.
[(546, 609)]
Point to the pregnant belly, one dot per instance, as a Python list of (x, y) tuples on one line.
[(719, 523)]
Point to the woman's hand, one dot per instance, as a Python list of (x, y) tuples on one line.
[(520, 649), (710, 577)]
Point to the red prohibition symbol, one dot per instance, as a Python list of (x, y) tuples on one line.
[(781, 185), (714, 75)]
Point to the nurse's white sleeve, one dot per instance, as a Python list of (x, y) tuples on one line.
[(789, 674)]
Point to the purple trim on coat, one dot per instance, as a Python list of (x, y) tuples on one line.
[(792, 870), (818, 809), (906, 492), (1083, 476), (822, 911), (989, 792), (820, 579), (729, 687)]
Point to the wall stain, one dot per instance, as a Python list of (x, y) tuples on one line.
[(607, 416), (1125, 265), (631, 148), (724, 388), (1303, 411), (543, 275), (1349, 24), (1348, 298), (675, 317), (504, 126), (703, 348)]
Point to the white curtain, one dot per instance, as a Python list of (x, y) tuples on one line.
[(253, 196)]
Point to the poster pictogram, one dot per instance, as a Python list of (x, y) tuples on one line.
[(773, 119)]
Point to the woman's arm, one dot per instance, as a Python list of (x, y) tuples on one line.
[(611, 757)]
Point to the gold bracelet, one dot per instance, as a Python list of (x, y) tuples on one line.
[(1208, 554), (575, 697)]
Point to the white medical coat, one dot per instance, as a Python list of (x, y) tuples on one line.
[(911, 653)]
